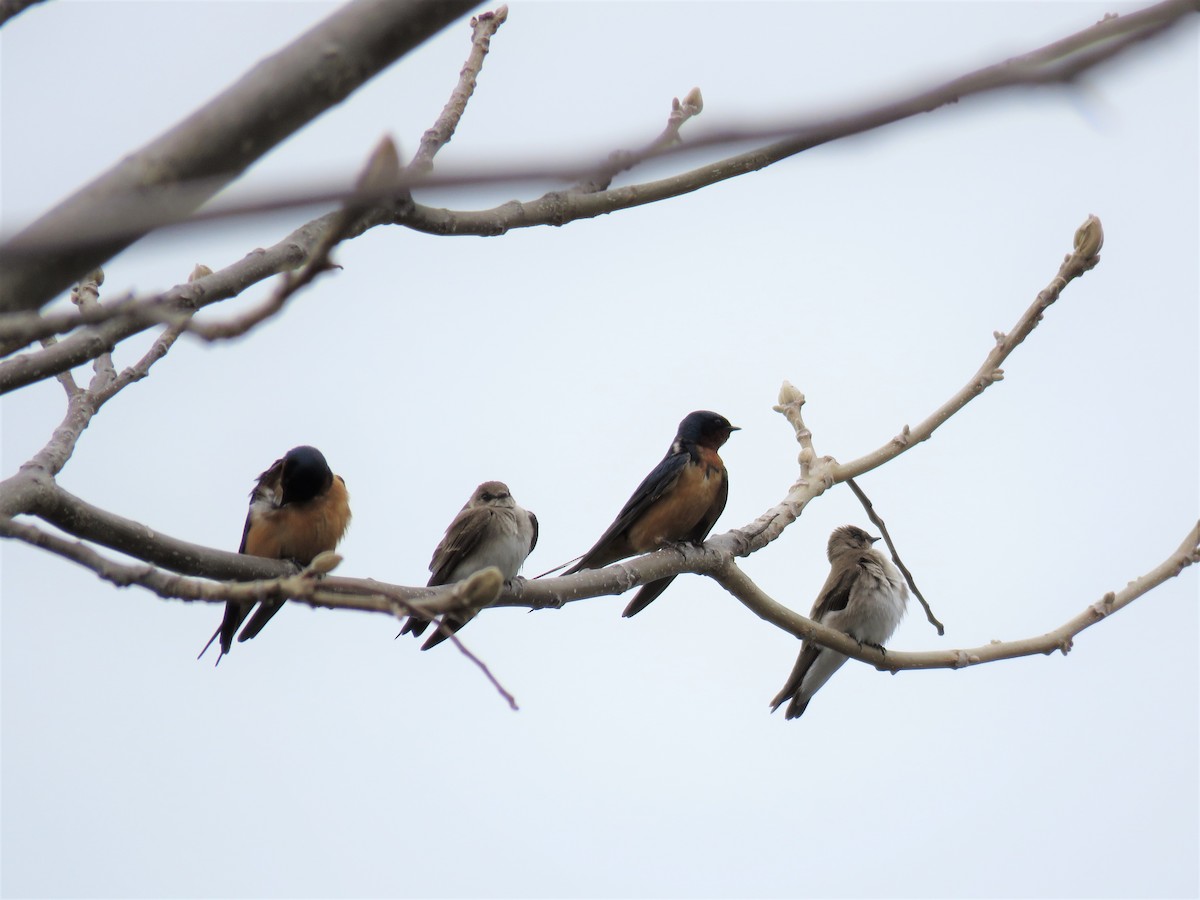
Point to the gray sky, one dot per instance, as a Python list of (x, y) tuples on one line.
[(326, 759)]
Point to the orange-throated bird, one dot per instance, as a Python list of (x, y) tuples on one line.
[(298, 509), (680, 500)]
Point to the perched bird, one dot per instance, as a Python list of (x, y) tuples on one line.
[(298, 509), (491, 530), (680, 500), (863, 596)]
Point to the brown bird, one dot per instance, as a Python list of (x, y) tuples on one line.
[(298, 510), (863, 596), (680, 500), (490, 530)]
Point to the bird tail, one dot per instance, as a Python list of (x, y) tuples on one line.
[(210, 643), (646, 595), (235, 615), (569, 562), (792, 688), (799, 702), (447, 626), (261, 617), (415, 626)]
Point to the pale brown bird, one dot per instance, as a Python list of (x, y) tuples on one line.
[(864, 596), (490, 530)]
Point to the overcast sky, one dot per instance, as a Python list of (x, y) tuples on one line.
[(327, 759)]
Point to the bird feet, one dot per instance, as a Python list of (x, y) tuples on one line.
[(882, 649)]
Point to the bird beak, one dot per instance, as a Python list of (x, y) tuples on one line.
[(873, 538), (734, 428)]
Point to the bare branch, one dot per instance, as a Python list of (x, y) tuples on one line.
[(377, 182), (483, 27), (874, 517), (1060, 639), (186, 166), (12, 8), (1088, 240), (86, 297), (1060, 62), (168, 584), (623, 160), (382, 169), (371, 596), (175, 307)]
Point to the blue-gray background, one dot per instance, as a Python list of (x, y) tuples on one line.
[(326, 759)]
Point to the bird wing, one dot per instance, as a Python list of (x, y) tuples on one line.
[(808, 655), (834, 596), (266, 492), (460, 540), (609, 547), (835, 593)]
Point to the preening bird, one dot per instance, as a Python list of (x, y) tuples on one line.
[(298, 510)]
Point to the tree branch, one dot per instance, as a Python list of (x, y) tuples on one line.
[(483, 28), (1089, 238), (186, 166), (1060, 62), (12, 8), (1060, 639), (912, 585), (623, 160)]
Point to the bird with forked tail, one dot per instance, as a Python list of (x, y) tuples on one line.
[(298, 510), (680, 500)]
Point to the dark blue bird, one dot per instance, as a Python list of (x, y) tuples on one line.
[(298, 510), (680, 500)]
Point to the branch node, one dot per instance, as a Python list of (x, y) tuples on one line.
[(323, 564), (1089, 238)]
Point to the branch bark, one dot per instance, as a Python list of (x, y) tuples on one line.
[(1059, 639), (186, 166)]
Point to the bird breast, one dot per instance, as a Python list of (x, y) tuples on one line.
[(674, 516), (504, 545), (876, 605)]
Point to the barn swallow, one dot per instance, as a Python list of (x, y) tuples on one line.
[(490, 530), (298, 509), (863, 596), (680, 500)]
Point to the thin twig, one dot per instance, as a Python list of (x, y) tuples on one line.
[(487, 673), (275, 98), (67, 378), (1060, 62), (874, 517), (734, 580), (623, 160), (483, 27), (1089, 238)]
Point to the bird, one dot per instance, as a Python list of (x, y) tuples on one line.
[(864, 596), (680, 500), (298, 510), (490, 530)]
